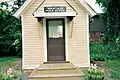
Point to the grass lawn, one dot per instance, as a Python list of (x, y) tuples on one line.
[(10, 62), (111, 68), (114, 68)]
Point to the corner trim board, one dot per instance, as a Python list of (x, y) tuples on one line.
[(22, 42), (45, 40), (87, 15)]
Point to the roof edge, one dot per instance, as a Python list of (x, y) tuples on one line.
[(19, 12), (89, 9), (22, 8)]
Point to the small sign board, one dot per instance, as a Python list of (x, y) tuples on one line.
[(52, 9)]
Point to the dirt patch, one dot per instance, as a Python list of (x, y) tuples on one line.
[(18, 65)]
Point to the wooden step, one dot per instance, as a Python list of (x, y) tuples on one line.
[(59, 78), (42, 73), (57, 72), (64, 74), (57, 66)]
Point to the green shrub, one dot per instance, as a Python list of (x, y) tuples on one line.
[(95, 73), (102, 52), (14, 76), (1, 76), (4, 76), (7, 77)]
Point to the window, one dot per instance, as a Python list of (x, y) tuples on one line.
[(55, 28)]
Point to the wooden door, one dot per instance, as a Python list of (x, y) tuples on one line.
[(55, 39)]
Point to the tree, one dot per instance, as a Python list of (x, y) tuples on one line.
[(113, 21), (111, 18), (10, 28), (10, 33), (103, 4), (12, 8), (17, 5), (4, 5)]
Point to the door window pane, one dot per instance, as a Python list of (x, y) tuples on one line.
[(55, 29)]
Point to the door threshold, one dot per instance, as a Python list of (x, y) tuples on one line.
[(49, 62)]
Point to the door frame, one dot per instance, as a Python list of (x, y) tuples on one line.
[(63, 35), (45, 37)]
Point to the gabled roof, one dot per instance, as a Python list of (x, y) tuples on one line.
[(27, 3), (66, 5)]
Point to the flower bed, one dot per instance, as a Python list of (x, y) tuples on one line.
[(95, 73), (10, 74)]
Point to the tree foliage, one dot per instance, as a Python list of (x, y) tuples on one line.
[(111, 18), (10, 29), (103, 4), (17, 5), (10, 33), (4, 5), (113, 21), (12, 8)]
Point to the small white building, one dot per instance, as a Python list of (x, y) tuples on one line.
[(55, 31)]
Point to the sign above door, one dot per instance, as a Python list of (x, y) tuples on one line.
[(52, 9)]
